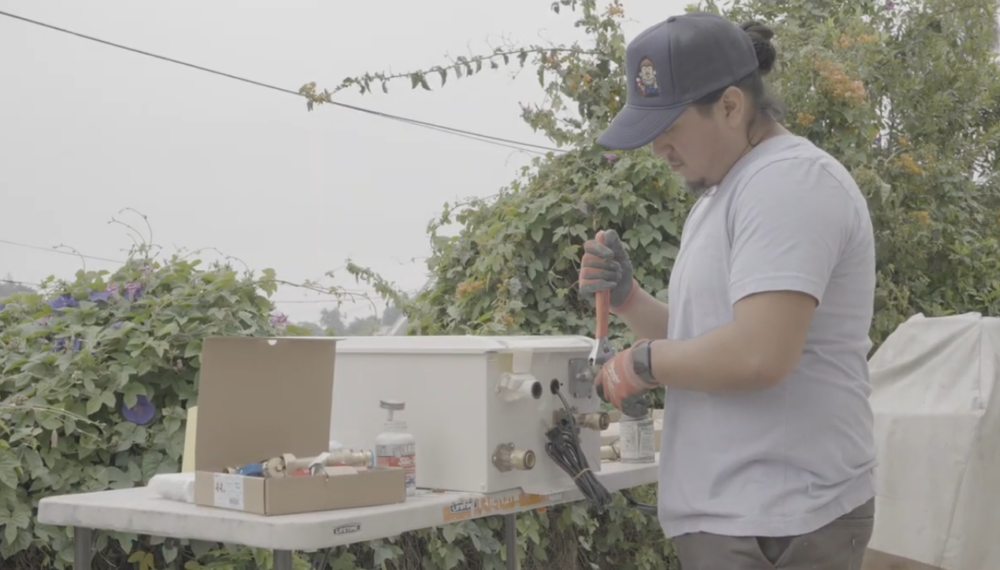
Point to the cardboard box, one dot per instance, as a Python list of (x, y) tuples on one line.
[(261, 398)]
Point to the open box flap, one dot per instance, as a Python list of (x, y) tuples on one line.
[(259, 398)]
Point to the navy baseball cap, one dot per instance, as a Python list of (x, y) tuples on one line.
[(671, 65)]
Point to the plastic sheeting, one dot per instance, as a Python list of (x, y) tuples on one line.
[(936, 427)]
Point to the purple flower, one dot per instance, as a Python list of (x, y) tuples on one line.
[(100, 296), (66, 344), (611, 157), (63, 301), (116, 325), (2, 306), (112, 288), (133, 291), (141, 413), (890, 5), (279, 320), (44, 321)]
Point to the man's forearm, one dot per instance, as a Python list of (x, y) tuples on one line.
[(646, 316), (720, 361)]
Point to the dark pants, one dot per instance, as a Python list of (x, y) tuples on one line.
[(839, 545)]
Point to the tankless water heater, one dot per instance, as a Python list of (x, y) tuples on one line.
[(478, 406)]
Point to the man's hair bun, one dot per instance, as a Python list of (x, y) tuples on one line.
[(761, 36)]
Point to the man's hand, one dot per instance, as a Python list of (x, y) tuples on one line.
[(626, 377), (607, 267)]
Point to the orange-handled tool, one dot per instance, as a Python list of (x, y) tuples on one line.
[(602, 351)]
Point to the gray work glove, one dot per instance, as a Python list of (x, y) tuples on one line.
[(606, 267)]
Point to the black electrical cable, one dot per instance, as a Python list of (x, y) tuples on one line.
[(565, 450), (641, 507)]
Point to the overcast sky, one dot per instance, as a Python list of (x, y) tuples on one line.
[(87, 130)]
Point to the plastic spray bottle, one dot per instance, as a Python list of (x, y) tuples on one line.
[(394, 447)]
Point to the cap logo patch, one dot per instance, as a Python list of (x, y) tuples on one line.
[(645, 82)]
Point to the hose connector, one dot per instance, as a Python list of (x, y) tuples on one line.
[(507, 458)]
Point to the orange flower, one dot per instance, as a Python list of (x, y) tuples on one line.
[(468, 287), (838, 84), (921, 217)]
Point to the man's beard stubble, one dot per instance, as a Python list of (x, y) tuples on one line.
[(699, 187)]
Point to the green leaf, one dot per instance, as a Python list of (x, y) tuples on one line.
[(131, 393), (18, 517), (885, 190), (453, 556), (108, 399), (192, 349), (168, 329), (94, 404)]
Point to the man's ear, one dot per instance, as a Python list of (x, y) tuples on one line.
[(733, 103)]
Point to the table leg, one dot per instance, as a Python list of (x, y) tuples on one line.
[(282, 560), (82, 551), (510, 539)]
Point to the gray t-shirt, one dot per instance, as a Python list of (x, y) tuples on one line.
[(788, 459)]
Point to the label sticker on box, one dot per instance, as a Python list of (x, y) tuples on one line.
[(229, 491), (484, 505)]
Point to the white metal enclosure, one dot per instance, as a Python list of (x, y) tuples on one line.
[(466, 396)]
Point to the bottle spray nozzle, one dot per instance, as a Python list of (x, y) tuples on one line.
[(392, 406)]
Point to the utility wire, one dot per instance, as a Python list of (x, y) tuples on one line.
[(24, 283), (348, 292), (508, 143), (53, 250), (333, 299)]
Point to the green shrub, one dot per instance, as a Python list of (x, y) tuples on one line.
[(97, 375)]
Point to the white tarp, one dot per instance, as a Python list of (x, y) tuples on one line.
[(937, 428)]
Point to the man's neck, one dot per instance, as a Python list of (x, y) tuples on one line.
[(765, 132)]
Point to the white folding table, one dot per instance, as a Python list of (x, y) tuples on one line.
[(141, 511)]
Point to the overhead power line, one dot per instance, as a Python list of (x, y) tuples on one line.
[(333, 298), (498, 141), (61, 251)]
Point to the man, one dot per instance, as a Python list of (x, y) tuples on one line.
[(768, 454)]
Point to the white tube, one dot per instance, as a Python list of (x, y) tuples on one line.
[(513, 387), (174, 486)]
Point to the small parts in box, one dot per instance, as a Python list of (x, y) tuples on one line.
[(327, 463), (274, 467)]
